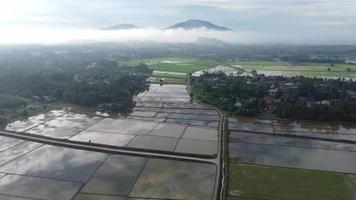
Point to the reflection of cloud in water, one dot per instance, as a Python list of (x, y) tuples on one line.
[(55, 162), (22, 125), (319, 159), (64, 126), (176, 180)]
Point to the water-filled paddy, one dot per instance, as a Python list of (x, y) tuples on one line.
[(167, 179), (181, 127), (250, 124), (64, 126), (322, 130), (162, 117), (169, 130), (318, 159), (37, 187), (103, 138), (56, 163), (154, 143), (124, 126), (197, 147), (25, 124), (252, 138), (17, 151), (83, 196), (50, 172), (116, 176), (6, 143)]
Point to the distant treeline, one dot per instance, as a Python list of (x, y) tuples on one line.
[(309, 59), (82, 53)]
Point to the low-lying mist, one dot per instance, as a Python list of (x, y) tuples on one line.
[(53, 36)]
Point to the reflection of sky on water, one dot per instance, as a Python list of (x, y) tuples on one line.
[(103, 138), (25, 124), (38, 187), (6, 142), (319, 159), (64, 126), (116, 176), (17, 151), (56, 162), (81, 196), (60, 171), (170, 179), (287, 141), (322, 130), (124, 126)]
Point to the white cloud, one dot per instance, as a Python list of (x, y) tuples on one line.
[(297, 7), (48, 36)]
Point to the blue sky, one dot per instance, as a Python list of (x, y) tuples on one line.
[(275, 21)]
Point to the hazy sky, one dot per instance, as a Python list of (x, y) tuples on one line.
[(253, 21)]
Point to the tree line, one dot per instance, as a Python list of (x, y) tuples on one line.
[(294, 98)]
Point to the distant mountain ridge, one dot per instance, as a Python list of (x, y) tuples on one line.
[(122, 27), (196, 24)]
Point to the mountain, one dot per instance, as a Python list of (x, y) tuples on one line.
[(121, 27), (196, 24)]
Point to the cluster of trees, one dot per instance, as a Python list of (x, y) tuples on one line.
[(86, 83), (294, 98), (8, 103)]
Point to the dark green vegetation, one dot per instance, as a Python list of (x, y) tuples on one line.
[(249, 182), (294, 98), (9, 106), (41, 75), (83, 82)]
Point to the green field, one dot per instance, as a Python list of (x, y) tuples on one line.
[(248, 182), (273, 68), (305, 69), (182, 65)]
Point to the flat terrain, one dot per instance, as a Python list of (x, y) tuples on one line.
[(164, 121), (172, 70), (22, 107), (273, 183), (272, 68), (291, 160), (305, 69), (159, 122), (183, 65)]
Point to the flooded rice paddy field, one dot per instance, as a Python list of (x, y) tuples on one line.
[(164, 119), (321, 130), (31, 170), (279, 159), (289, 144)]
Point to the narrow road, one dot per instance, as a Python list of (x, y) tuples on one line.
[(107, 148)]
